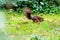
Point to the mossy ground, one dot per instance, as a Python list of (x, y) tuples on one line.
[(19, 24)]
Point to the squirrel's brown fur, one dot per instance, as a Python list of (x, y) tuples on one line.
[(34, 18)]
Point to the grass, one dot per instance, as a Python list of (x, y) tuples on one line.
[(48, 29)]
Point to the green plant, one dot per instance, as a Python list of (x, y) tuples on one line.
[(35, 37), (37, 6)]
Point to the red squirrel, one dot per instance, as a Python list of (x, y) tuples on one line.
[(28, 13)]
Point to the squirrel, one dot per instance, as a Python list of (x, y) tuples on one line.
[(28, 13)]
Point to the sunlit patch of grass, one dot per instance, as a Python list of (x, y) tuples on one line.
[(18, 23)]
